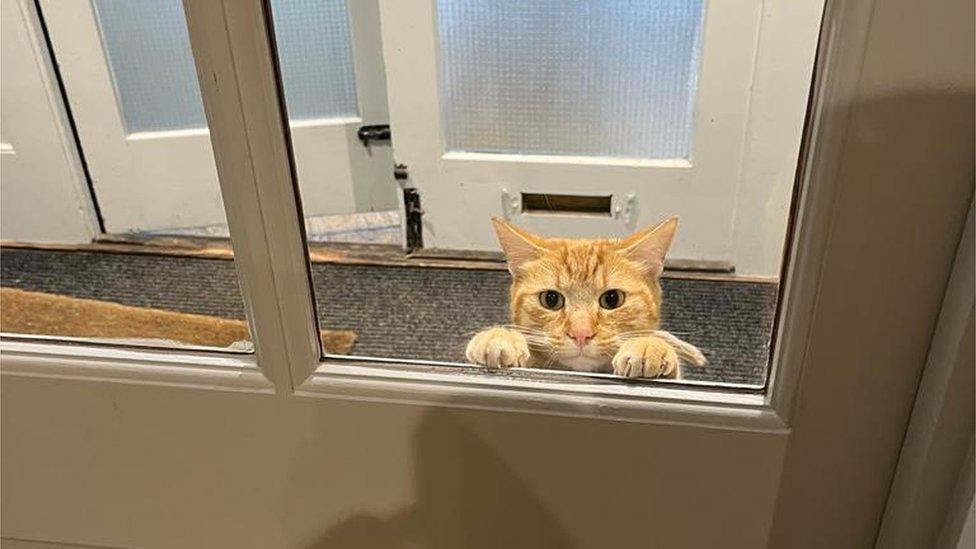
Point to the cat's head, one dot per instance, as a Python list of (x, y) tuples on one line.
[(578, 298)]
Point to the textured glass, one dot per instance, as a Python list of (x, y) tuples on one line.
[(148, 51), (315, 54), (585, 78)]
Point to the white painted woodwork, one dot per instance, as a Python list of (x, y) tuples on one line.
[(113, 447), (43, 193), (233, 56), (167, 179), (932, 491), (732, 195)]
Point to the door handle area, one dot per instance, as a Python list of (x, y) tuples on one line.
[(374, 132)]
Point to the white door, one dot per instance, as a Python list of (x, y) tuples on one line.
[(42, 174), (121, 448), (647, 108), (132, 89)]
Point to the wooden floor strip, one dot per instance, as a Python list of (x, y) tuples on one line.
[(344, 254)]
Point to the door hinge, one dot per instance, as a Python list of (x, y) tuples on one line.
[(414, 222), (374, 132)]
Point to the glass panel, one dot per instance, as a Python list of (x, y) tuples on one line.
[(590, 78), (149, 53), (615, 78), (55, 281), (122, 298), (347, 186), (348, 191), (316, 58)]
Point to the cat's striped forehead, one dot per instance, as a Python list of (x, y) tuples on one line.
[(581, 262), (578, 264)]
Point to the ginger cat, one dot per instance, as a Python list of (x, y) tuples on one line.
[(591, 305)]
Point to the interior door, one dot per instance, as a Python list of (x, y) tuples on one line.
[(620, 113), (45, 197), (131, 86), (126, 449)]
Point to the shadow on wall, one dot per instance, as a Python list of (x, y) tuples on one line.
[(457, 500)]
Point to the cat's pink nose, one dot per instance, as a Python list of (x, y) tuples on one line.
[(581, 336)]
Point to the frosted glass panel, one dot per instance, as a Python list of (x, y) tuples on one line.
[(148, 50), (587, 78), (315, 54)]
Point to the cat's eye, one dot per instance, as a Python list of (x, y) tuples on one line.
[(611, 299), (552, 300)]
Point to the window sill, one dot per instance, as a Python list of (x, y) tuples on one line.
[(405, 382), (31, 357), (537, 392)]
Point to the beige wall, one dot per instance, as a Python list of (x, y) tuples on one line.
[(909, 149), (127, 465)]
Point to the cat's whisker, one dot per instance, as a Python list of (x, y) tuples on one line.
[(626, 336), (540, 348), (635, 333), (608, 344), (524, 330), (686, 334), (551, 358), (605, 352)]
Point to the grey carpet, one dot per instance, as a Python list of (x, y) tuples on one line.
[(403, 312)]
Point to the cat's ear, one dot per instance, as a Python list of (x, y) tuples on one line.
[(650, 245), (519, 245)]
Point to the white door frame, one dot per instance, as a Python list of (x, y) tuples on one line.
[(932, 491), (893, 109), (841, 270)]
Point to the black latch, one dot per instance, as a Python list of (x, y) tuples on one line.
[(413, 211), (375, 132), (400, 172)]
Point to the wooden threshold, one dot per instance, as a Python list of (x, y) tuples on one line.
[(355, 254)]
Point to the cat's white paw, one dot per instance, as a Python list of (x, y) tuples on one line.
[(646, 357), (498, 348)]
